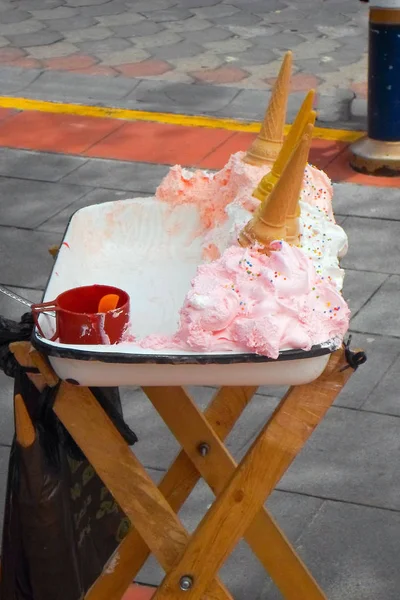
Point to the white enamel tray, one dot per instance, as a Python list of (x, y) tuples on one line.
[(152, 252)]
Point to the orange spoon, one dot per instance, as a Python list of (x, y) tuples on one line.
[(108, 302)]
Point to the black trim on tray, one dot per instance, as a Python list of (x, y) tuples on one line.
[(174, 359)]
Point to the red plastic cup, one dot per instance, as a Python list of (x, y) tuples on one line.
[(77, 319)]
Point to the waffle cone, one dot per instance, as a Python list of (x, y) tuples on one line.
[(266, 184), (298, 164), (25, 432), (276, 219), (268, 143), (304, 116)]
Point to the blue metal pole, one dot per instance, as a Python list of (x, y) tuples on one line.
[(379, 152)]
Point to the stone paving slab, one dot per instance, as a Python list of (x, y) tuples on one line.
[(242, 571), (73, 87), (180, 97), (362, 201), (352, 552), (133, 177), (369, 242), (15, 79), (385, 397), (6, 417), (359, 286), (359, 109), (30, 203), (10, 309), (347, 459), (4, 456), (249, 105), (380, 315), (25, 260), (37, 166)]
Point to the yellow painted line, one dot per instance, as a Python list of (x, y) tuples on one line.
[(126, 114)]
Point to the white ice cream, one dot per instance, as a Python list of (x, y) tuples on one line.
[(321, 239)]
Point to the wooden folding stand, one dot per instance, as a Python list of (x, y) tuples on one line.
[(191, 563)]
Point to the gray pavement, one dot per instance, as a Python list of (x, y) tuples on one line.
[(340, 109), (339, 502), (212, 56)]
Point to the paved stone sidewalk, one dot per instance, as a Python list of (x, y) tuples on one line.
[(342, 110), (225, 43), (340, 501)]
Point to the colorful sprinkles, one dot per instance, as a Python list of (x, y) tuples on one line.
[(247, 265), (310, 190)]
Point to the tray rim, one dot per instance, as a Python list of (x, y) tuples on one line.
[(175, 359), (164, 359)]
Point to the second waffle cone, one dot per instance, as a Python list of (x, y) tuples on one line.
[(304, 116), (270, 221)]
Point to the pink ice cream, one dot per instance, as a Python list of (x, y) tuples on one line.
[(236, 181), (212, 192), (250, 302)]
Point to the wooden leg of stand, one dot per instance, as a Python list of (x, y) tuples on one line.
[(217, 466), (45, 369), (270, 455), (24, 429), (21, 351), (326, 384), (126, 478), (222, 413), (111, 585)]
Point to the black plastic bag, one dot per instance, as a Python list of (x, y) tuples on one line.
[(61, 525), (10, 331)]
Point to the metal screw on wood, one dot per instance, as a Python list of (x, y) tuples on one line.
[(185, 583), (204, 449)]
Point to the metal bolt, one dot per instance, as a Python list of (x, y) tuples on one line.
[(204, 449), (185, 583)]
